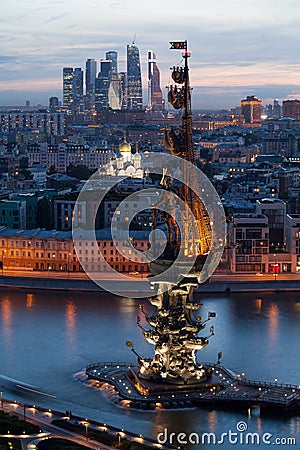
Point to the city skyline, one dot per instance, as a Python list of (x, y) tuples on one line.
[(236, 50)]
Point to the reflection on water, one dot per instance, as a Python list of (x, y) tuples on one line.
[(128, 306), (6, 314), (258, 304), (71, 321), (258, 425), (273, 321), (212, 420), (30, 300)]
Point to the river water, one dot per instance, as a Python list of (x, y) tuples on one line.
[(48, 337)]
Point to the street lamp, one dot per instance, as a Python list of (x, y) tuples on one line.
[(86, 424), (120, 434)]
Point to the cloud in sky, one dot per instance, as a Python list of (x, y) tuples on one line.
[(233, 43)]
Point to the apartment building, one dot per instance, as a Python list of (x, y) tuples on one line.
[(53, 251), (249, 243)]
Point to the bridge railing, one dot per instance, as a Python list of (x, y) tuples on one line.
[(247, 382)]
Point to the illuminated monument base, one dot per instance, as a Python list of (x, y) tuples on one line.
[(121, 384)]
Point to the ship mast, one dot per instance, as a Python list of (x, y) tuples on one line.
[(183, 146)]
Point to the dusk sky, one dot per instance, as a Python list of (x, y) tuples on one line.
[(238, 48)]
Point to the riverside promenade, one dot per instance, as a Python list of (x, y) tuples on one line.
[(47, 420), (219, 283)]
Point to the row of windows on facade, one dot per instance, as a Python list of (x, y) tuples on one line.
[(37, 244), (64, 245), (248, 259), (65, 256), (252, 234), (251, 250), (91, 267), (39, 255)]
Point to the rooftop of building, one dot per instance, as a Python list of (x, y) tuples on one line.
[(41, 233), (270, 201), (61, 177), (10, 202), (250, 216)]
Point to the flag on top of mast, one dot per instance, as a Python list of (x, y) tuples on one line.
[(178, 45)]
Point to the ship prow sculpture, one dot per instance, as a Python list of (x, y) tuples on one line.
[(176, 325)]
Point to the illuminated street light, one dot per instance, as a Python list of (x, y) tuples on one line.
[(86, 424)]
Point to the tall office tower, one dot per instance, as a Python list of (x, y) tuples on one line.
[(115, 92), (123, 83), (134, 79), (251, 109), (276, 109), (90, 78), (113, 56), (67, 87), (155, 100), (77, 86), (102, 85), (291, 108), (53, 104), (268, 110)]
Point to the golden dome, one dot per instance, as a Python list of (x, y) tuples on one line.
[(125, 147)]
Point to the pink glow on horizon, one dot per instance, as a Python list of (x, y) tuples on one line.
[(31, 85)]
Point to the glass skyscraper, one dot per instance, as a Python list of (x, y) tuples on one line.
[(90, 78), (102, 85), (115, 92), (113, 56), (123, 83), (134, 79), (155, 101), (78, 86), (67, 87)]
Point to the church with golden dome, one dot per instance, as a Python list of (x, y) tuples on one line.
[(124, 162)]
